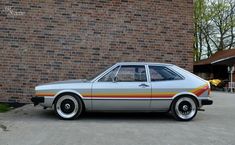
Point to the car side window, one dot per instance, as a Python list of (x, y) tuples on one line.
[(109, 76), (162, 73), (135, 73)]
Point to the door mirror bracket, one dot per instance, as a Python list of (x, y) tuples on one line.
[(115, 79)]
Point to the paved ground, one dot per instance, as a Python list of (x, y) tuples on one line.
[(33, 126)]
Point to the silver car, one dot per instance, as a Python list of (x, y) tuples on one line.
[(129, 86)]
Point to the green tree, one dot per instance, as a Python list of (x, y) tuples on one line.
[(214, 22)]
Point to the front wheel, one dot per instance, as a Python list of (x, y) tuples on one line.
[(68, 106), (184, 108)]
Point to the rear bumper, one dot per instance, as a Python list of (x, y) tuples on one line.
[(37, 100), (207, 102)]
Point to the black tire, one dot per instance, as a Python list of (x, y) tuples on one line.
[(68, 106), (184, 108)]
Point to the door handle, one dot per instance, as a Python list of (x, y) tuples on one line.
[(143, 85)]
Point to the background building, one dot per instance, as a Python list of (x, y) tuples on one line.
[(43, 41), (216, 66)]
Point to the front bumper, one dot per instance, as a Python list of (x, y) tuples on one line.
[(37, 100), (207, 102)]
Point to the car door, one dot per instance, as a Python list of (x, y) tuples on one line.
[(126, 87)]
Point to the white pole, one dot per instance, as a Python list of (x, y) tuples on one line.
[(231, 81), (231, 72)]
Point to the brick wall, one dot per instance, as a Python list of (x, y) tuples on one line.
[(43, 41)]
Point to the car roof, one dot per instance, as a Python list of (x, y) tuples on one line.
[(142, 63)]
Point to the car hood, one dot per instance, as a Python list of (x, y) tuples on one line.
[(66, 82), (60, 85)]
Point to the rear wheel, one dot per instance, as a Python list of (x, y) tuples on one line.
[(68, 107), (184, 108)]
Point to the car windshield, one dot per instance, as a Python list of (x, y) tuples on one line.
[(98, 73)]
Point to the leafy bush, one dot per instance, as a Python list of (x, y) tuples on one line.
[(4, 107)]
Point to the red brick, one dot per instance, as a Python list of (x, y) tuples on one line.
[(56, 40)]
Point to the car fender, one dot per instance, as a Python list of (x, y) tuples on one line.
[(69, 91), (186, 93)]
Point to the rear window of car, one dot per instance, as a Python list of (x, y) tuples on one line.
[(162, 73)]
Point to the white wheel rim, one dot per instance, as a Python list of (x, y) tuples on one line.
[(64, 109), (185, 108)]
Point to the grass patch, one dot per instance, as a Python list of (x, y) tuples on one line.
[(4, 107)]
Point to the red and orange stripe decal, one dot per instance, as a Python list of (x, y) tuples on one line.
[(121, 95), (163, 95), (198, 91), (45, 94)]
